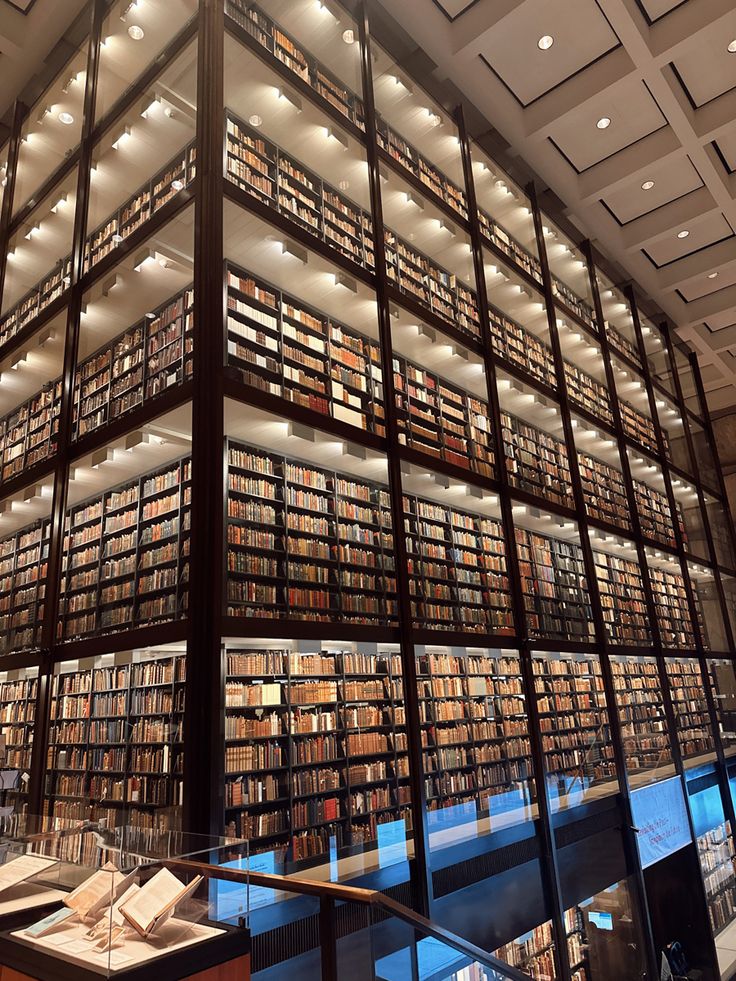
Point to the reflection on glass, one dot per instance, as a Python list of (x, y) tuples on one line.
[(143, 161), (692, 718), (316, 767), (132, 41), (721, 526), (24, 553), (708, 605), (604, 936), (505, 213), (673, 433), (715, 844), (638, 690), (52, 130), (4, 150), (18, 692), (686, 376), (692, 523), (705, 461), (576, 737), (475, 734), (39, 259), (532, 952), (723, 685)]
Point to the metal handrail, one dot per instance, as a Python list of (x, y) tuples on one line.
[(332, 892)]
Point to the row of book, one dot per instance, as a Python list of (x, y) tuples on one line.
[(126, 555)]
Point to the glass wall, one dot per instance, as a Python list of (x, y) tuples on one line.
[(570, 275)]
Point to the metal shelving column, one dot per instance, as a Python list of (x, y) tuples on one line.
[(422, 855), (601, 634), (204, 717), (551, 874)]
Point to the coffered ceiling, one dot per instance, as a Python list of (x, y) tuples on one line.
[(661, 71)]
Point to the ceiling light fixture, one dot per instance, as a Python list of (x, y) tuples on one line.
[(545, 42), (604, 122), (177, 185), (712, 275), (647, 185), (136, 32), (683, 234), (732, 47), (66, 118), (255, 120), (348, 36)]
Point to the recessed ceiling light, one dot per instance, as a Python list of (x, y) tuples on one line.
[(344, 185), (712, 275), (647, 185), (177, 185), (136, 32), (348, 36), (545, 42), (732, 46), (683, 234), (66, 118), (255, 120), (603, 123)]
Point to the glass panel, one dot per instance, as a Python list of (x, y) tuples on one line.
[(604, 936), (52, 130), (670, 600), (316, 768), (585, 372), (638, 690), (723, 685), (126, 543), (721, 527), (24, 552), (144, 161), (532, 952), (570, 274), (4, 151), (505, 212), (418, 134), (604, 488), (576, 736), (705, 461), (708, 603), (715, 845), (475, 733), (652, 502), (692, 719), (673, 433), (618, 319), (457, 557), (18, 693), (686, 376), (309, 533), (658, 359), (636, 416), (116, 739), (287, 153), (133, 38), (621, 586), (729, 589), (30, 399), (316, 43), (39, 259), (692, 524), (555, 589), (136, 334), (519, 326), (537, 460), (441, 396)]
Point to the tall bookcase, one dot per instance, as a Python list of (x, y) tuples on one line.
[(410, 561)]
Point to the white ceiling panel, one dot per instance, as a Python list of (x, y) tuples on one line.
[(581, 34), (453, 8), (672, 179), (710, 283), (578, 137), (704, 231), (654, 9), (727, 145), (706, 66)]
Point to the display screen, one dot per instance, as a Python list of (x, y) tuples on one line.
[(604, 921)]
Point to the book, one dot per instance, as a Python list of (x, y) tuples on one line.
[(156, 901), (22, 868)]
